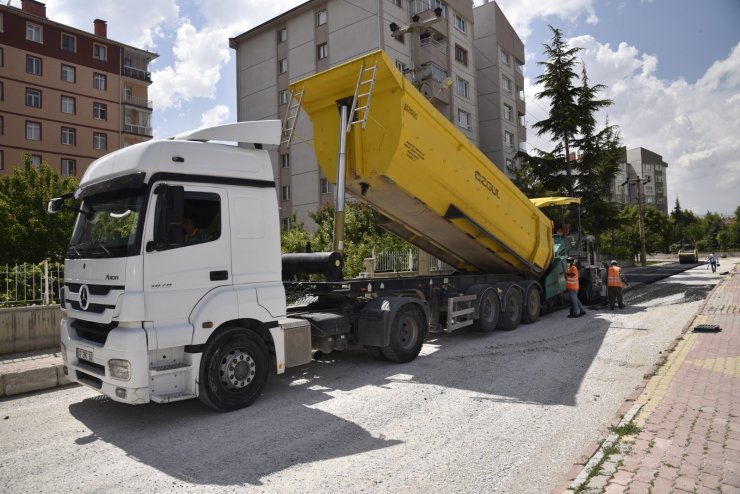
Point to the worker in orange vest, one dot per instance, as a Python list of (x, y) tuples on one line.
[(571, 284), (615, 281)]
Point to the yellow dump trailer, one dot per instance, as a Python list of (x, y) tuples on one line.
[(409, 162)]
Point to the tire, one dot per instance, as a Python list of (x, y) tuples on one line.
[(375, 352), (511, 309), (532, 303), (489, 310), (407, 335), (233, 371)]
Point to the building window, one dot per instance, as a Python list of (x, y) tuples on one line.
[(284, 97), (68, 167), (282, 35), (519, 92), (463, 119), (2, 157), (402, 67), (68, 73), (2, 57), (285, 160), (100, 52), (508, 112), (283, 66), (397, 3), (35, 160), (658, 167), (505, 58), (69, 136), (286, 192), (33, 32), (522, 120), (461, 55), (69, 43), (658, 178), (519, 65), (100, 111), (286, 223), (462, 87), (2, 125), (509, 165), (33, 98), (322, 51), (33, 65), (100, 81), (508, 139), (100, 140), (321, 17), (68, 105), (33, 131), (506, 84), (459, 23), (325, 186)]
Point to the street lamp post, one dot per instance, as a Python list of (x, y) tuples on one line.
[(639, 181)]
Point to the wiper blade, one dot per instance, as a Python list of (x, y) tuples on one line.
[(102, 246)]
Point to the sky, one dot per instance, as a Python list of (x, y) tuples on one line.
[(671, 67)]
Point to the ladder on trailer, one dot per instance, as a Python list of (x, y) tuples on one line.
[(291, 116)]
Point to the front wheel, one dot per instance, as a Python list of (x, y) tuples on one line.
[(407, 335), (233, 371)]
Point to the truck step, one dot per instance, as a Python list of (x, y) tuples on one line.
[(171, 397), (168, 369)]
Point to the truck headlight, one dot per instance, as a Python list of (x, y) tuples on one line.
[(64, 352), (119, 369)]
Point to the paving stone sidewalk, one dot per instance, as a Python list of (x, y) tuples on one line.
[(685, 434)]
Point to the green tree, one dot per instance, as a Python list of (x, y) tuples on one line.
[(557, 80), (362, 235), (627, 237), (27, 232), (572, 125)]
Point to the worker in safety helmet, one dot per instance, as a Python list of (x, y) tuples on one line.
[(615, 281), (571, 284)]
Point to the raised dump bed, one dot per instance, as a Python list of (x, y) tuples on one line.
[(411, 164)]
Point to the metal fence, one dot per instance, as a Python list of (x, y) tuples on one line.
[(30, 284), (404, 261)]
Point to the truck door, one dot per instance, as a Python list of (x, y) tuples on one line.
[(179, 271)]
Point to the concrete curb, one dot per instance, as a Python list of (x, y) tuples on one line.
[(32, 375)]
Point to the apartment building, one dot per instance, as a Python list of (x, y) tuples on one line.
[(642, 175), (499, 60), (431, 42), (68, 96)]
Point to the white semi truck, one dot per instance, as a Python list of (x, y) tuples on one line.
[(174, 278)]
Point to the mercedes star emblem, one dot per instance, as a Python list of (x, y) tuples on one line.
[(84, 297)]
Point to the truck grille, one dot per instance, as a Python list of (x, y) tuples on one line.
[(93, 331)]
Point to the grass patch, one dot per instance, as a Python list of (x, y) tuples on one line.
[(626, 430)]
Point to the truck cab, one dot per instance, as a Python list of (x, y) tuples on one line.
[(174, 240)]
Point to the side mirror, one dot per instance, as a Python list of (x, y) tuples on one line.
[(57, 204), (169, 215)]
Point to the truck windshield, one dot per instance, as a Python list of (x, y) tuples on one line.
[(108, 224)]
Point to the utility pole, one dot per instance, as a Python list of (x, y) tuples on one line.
[(639, 181)]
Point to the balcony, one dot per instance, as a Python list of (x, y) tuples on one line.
[(135, 73), (137, 129), (137, 101)]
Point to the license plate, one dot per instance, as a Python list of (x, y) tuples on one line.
[(83, 354)]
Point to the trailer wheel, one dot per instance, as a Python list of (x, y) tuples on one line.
[(233, 371), (489, 310), (512, 308), (407, 335), (532, 303)]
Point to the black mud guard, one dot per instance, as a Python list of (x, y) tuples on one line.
[(376, 317)]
